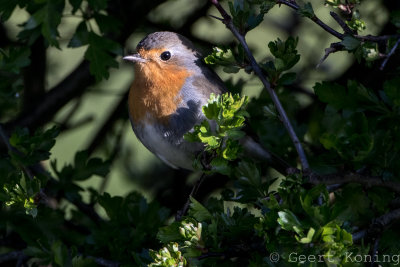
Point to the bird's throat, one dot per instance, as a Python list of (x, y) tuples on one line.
[(155, 92)]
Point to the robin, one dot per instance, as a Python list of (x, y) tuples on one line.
[(171, 85)]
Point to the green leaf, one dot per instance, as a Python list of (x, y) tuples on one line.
[(60, 253), (289, 221), (250, 172), (231, 149), (306, 10), (235, 134), (76, 4), (285, 54), (98, 4), (287, 78), (254, 20), (333, 94), (84, 167), (231, 69), (98, 54), (48, 17), (107, 23), (170, 233), (15, 59), (221, 56), (319, 213), (221, 165), (350, 43), (80, 37), (308, 239), (32, 148), (198, 211), (6, 9), (356, 23)]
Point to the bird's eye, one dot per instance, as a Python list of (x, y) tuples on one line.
[(165, 55)]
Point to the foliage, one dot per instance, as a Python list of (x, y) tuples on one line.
[(221, 132), (263, 216)]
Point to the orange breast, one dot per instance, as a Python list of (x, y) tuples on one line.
[(155, 90)]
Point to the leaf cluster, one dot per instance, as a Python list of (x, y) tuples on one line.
[(220, 132)]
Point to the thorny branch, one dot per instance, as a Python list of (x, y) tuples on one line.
[(378, 225), (390, 54), (227, 20), (368, 181), (342, 24), (314, 18), (18, 256), (340, 36)]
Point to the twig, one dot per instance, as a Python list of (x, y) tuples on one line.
[(374, 251), (257, 70), (376, 39), (334, 47), (390, 54), (72, 86), (371, 38), (314, 18), (368, 181), (387, 219), (357, 236), (185, 208), (13, 255), (341, 23), (217, 18), (377, 226)]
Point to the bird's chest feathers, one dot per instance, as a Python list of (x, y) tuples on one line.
[(155, 91)]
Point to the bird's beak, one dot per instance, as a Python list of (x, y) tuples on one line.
[(134, 58)]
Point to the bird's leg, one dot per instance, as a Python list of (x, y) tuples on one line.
[(185, 208)]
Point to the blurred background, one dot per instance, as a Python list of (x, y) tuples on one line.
[(94, 115)]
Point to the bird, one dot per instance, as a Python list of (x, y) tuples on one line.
[(171, 84)]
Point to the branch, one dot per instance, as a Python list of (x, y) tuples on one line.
[(371, 38), (390, 54), (368, 181), (55, 99), (13, 255), (334, 47), (34, 75), (314, 18), (341, 23), (227, 20), (185, 208), (378, 225)]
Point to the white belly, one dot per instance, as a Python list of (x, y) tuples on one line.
[(174, 152)]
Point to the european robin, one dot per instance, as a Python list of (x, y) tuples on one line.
[(170, 86)]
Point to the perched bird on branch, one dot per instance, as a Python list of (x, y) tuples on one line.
[(171, 85)]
